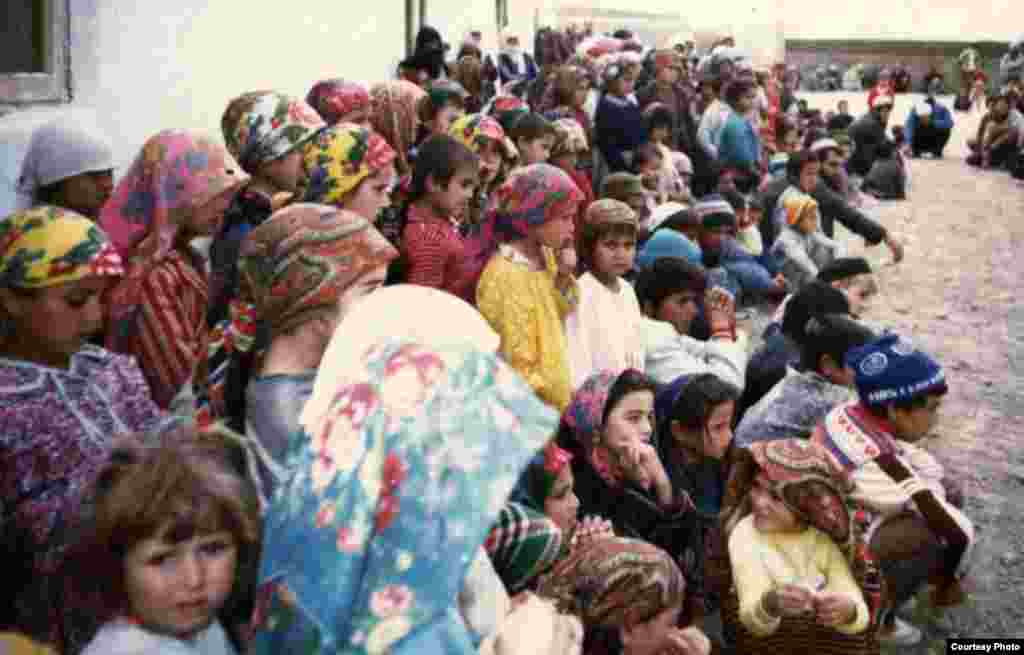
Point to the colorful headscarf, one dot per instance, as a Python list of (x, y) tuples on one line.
[(610, 578), (292, 267), (303, 258), (529, 197), (507, 109), (475, 130), (411, 312), (262, 126), (585, 415), (569, 138), (394, 116), (340, 101), (339, 158), (177, 173), (391, 495), (540, 476), (523, 544), (45, 246)]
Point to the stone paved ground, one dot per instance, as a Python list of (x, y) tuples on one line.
[(956, 294)]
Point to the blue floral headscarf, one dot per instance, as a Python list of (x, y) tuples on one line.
[(392, 493)]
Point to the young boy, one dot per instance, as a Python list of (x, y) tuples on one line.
[(433, 251), (916, 531), (534, 137), (739, 144), (629, 188), (887, 179), (801, 249), (671, 292)]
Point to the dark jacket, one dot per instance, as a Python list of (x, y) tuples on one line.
[(867, 133), (620, 129), (832, 207)]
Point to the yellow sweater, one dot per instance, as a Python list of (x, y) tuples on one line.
[(528, 311), (763, 561)]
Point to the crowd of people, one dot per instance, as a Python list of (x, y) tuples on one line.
[(464, 369)]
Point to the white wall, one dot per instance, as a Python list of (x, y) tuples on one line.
[(149, 65)]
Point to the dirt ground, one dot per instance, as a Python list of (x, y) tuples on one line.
[(954, 294)]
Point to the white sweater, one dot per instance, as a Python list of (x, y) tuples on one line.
[(670, 354), (604, 331)]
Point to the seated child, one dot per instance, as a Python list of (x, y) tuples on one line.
[(648, 163), (671, 292), (803, 397), (177, 529), (801, 249), (915, 529), (749, 210), (887, 179), (534, 137), (604, 330), (659, 121), (796, 554)]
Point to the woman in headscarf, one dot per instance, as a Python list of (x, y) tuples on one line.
[(801, 570), (350, 167), (70, 165), (629, 595), (61, 399), (395, 118), (569, 95), (300, 272), (469, 72), (177, 190), (392, 492), (265, 132), (341, 101), (524, 289)]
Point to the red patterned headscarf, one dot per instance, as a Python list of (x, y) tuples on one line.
[(340, 101)]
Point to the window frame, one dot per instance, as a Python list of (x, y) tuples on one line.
[(54, 84)]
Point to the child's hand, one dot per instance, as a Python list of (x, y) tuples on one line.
[(690, 641), (834, 609), (567, 261), (720, 306), (789, 601)]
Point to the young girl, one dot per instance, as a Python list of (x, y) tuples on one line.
[(569, 146), (619, 121), (800, 569), (485, 137), (604, 331), (176, 531), (444, 103), (433, 250), (177, 190), (266, 132), (351, 168), (394, 117), (525, 290), (801, 249)]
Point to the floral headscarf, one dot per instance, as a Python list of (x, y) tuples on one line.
[(529, 197), (340, 101), (292, 267), (607, 578), (585, 415), (339, 158), (540, 476), (475, 130), (523, 544), (507, 110), (569, 138), (394, 116), (391, 495), (177, 173), (812, 484), (262, 126), (45, 246)]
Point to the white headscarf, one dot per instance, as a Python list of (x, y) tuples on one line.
[(423, 314), (63, 148)]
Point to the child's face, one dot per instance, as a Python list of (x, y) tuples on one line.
[(285, 173), (679, 309), (653, 636), (179, 588), (372, 195), (614, 254), (711, 238), (562, 504), (770, 513), (490, 161), (451, 200), (557, 231), (913, 424), (444, 118), (536, 151)]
